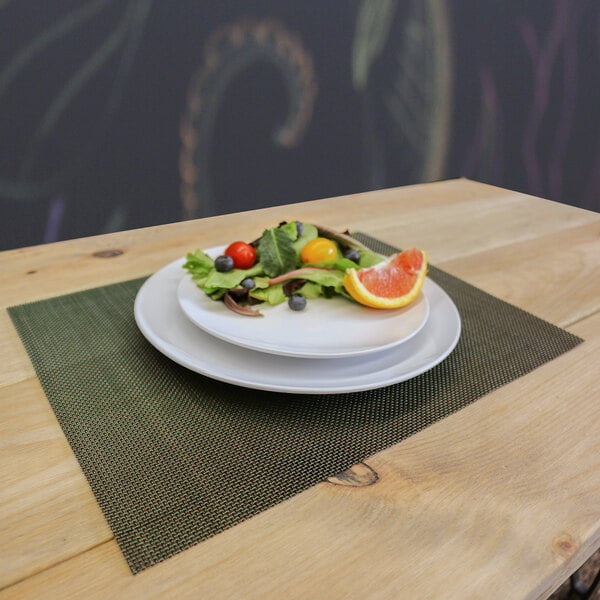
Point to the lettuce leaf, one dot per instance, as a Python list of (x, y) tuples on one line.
[(340, 263), (273, 294), (330, 278), (279, 261), (262, 282), (310, 290), (309, 232), (199, 265), (291, 229), (216, 280), (369, 258), (277, 253)]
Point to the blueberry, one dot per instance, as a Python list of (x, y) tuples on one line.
[(248, 283), (351, 254), (299, 228), (223, 263), (297, 302)]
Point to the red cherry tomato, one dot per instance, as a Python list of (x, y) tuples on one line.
[(244, 255)]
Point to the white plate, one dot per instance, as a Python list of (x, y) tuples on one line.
[(326, 328), (163, 323)]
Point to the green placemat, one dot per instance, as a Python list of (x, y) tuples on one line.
[(174, 457)]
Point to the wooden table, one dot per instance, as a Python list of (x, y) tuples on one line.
[(508, 513)]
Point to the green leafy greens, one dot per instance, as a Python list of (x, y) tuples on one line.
[(199, 265), (278, 266), (276, 251)]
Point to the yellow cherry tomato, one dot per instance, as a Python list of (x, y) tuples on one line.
[(318, 250)]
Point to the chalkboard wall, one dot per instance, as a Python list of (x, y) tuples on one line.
[(122, 114)]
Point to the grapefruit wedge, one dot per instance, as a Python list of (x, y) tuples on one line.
[(393, 283)]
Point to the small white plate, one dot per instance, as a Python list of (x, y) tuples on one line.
[(163, 323), (326, 328)]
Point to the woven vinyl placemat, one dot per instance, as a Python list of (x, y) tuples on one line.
[(174, 457)]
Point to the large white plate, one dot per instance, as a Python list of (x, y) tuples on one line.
[(326, 328), (164, 324)]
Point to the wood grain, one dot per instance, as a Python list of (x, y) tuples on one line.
[(454, 514), (506, 512), (450, 219), (46, 503), (564, 267)]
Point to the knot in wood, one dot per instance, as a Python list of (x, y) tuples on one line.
[(359, 475), (565, 545), (108, 253)]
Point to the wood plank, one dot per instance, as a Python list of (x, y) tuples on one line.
[(587, 328), (469, 218), (45, 502), (470, 229), (485, 503), (450, 219), (554, 276), (15, 362)]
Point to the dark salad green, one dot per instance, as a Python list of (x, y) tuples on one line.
[(279, 275)]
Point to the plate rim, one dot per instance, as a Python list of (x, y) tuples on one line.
[(178, 356), (187, 282)]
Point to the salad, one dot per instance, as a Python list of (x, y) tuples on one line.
[(293, 262)]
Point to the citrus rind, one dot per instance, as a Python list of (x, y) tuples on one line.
[(361, 294)]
